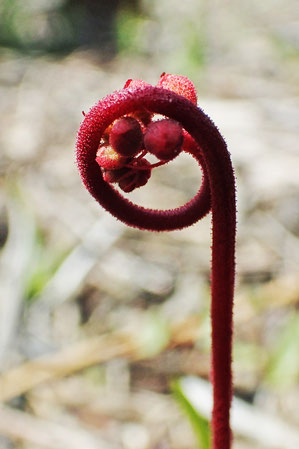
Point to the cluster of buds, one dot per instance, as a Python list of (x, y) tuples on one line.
[(126, 142)]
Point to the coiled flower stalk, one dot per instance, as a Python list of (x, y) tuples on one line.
[(113, 141)]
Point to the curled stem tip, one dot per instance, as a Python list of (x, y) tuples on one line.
[(185, 128)]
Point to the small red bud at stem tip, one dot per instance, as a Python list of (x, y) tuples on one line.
[(178, 84), (164, 139), (126, 136), (113, 176), (135, 177), (108, 158), (134, 84)]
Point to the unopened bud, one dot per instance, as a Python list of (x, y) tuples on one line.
[(135, 84), (179, 84), (136, 177), (113, 176), (164, 139), (109, 159), (126, 136)]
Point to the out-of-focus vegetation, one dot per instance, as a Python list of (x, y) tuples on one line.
[(58, 26), (97, 320), (199, 423)]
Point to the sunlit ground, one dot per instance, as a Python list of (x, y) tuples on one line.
[(102, 325)]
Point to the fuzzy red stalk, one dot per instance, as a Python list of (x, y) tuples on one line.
[(217, 191)]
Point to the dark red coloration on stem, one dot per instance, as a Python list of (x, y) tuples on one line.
[(126, 136), (217, 192), (164, 139)]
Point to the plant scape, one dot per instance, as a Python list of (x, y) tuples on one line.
[(113, 142)]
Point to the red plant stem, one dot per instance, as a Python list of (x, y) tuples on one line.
[(218, 187), (146, 167)]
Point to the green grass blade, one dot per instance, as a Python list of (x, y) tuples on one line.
[(198, 422)]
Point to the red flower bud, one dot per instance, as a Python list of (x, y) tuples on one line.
[(114, 175), (179, 84), (135, 177), (164, 139), (126, 136), (106, 133), (108, 158), (134, 84), (143, 115)]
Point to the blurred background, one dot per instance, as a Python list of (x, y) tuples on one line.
[(104, 330)]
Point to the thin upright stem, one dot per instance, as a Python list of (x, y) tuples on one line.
[(217, 191)]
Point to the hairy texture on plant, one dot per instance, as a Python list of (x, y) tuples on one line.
[(134, 83), (126, 136), (142, 115), (114, 176), (134, 178), (108, 158), (217, 192), (164, 139), (179, 84)]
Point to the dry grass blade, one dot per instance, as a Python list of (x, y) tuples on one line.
[(82, 355), (13, 263), (23, 427), (62, 363)]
